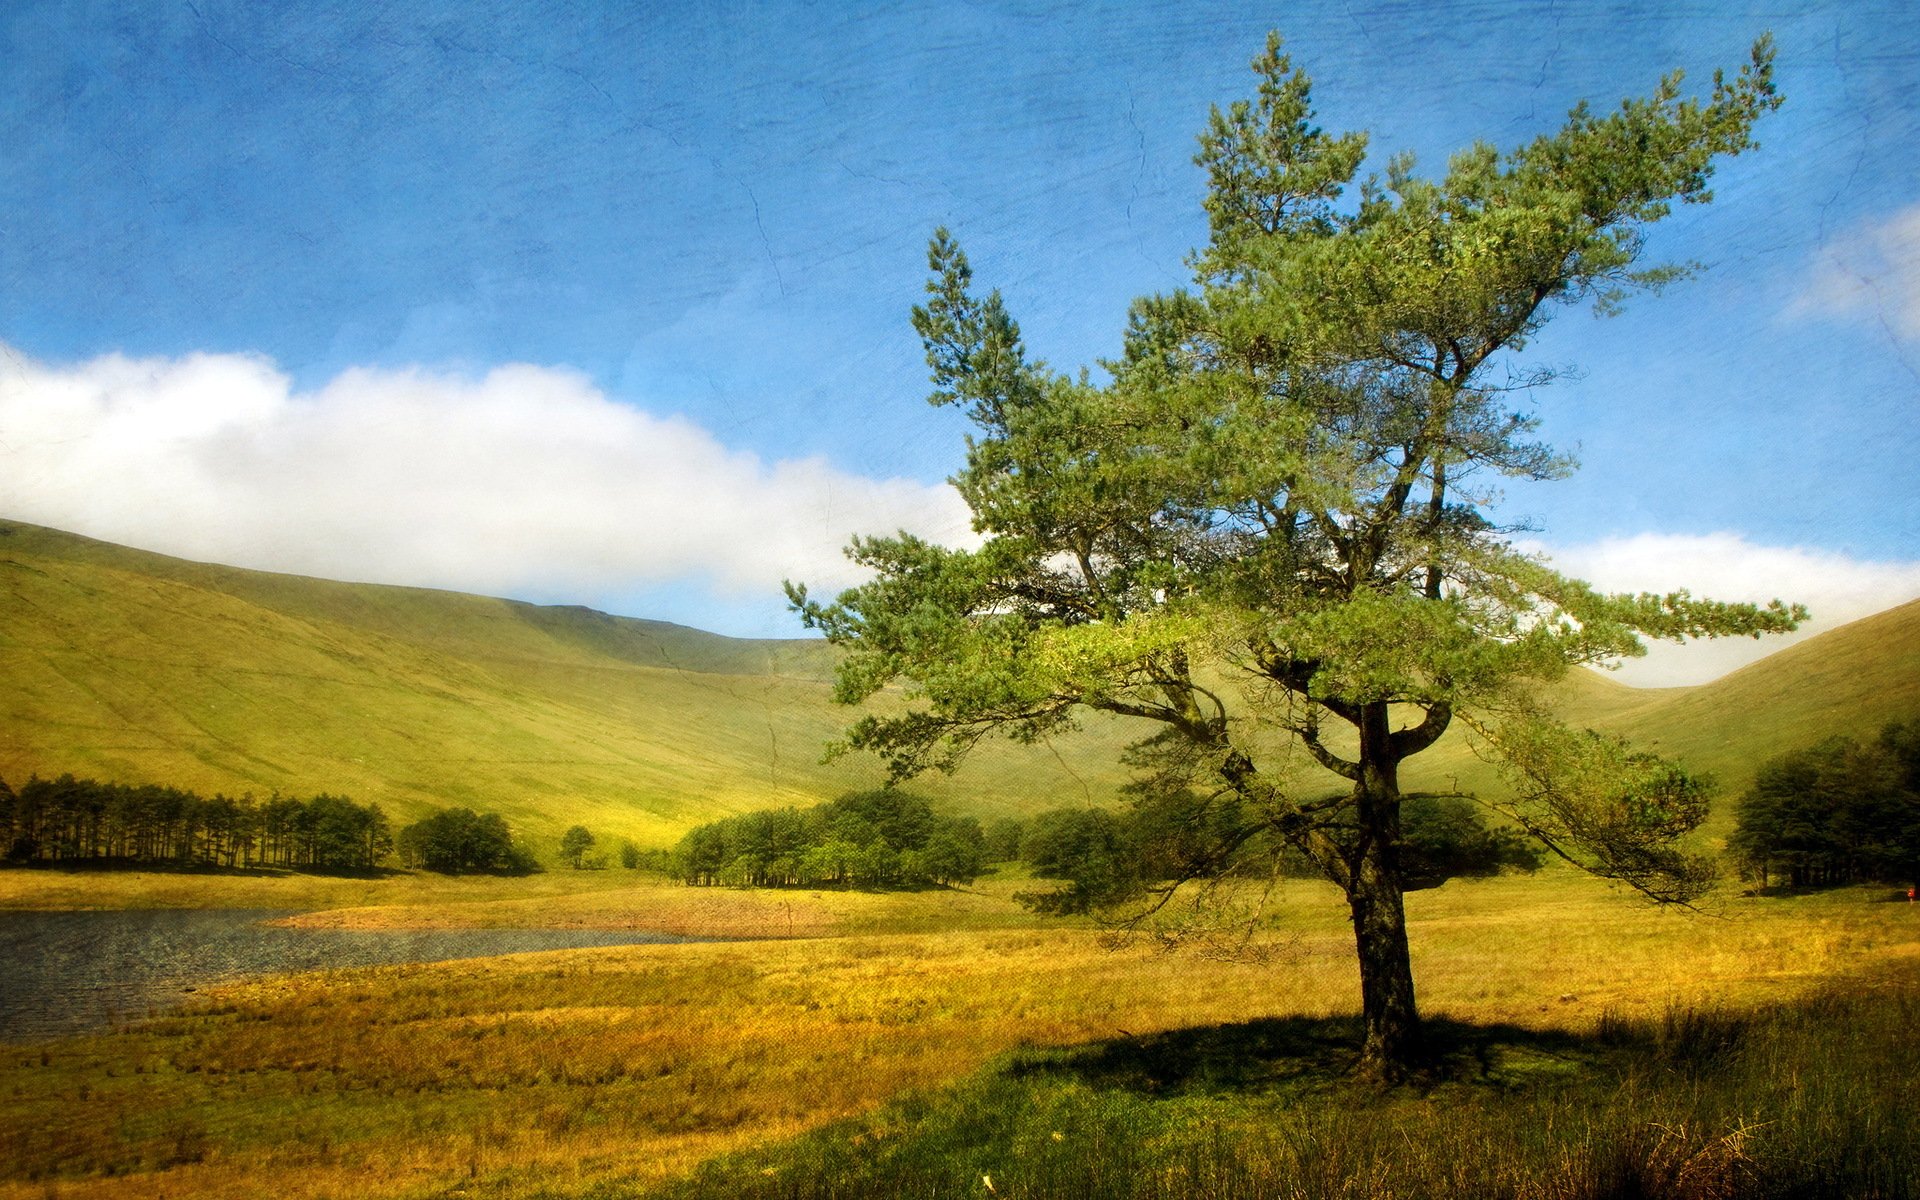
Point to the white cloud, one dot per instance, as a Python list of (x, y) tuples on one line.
[(1873, 268), (526, 481), (1724, 566), (531, 482)]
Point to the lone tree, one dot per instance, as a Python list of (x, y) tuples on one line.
[(1274, 515), (575, 843)]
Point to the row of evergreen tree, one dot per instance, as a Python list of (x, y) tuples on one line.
[(69, 819), (866, 839), (1841, 811), (1837, 812), (84, 820)]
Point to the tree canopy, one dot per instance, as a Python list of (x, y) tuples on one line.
[(1835, 812), (458, 840), (575, 843), (1272, 514), (863, 839)]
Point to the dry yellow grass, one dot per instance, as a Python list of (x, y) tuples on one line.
[(554, 1070), (560, 899), (632, 1062)]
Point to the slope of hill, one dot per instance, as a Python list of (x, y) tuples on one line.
[(1848, 681), (132, 666)]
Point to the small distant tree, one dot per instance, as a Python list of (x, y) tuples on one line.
[(457, 840), (1003, 838), (1448, 837), (1089, 850), (344, 834), (955, 856), (629, 855), (830, 862), (574, 844), (883, 838)]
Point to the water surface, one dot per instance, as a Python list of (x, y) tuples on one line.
[(70, 972)]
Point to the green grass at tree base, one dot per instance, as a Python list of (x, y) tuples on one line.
[(1812, 1098)]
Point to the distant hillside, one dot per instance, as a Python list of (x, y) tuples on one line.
[(126, 665), (1850, 680), (136, 667)]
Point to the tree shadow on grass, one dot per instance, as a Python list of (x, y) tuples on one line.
[(1319, 1053)]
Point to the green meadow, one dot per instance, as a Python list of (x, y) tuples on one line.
[(938, 1043)]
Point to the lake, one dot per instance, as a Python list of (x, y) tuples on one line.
[(70, 972)]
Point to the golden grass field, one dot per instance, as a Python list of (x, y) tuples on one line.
[(551, 1073)]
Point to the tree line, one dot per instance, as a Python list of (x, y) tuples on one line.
[(76, 820), (1841, 811), (1106, 857), (86, 821), (865, 839)]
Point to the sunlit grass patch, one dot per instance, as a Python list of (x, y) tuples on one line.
[(665, 906), (610, 1058)]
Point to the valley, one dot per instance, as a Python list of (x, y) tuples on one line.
[(799, 1023)]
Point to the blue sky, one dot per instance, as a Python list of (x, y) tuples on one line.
[(578, 303)]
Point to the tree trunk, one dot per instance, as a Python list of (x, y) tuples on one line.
[(1374, 897), (1387, 1010)]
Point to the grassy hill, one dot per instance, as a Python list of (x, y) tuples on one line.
[(1848, 681), (126, 665)]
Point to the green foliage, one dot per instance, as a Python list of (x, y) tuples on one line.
[(574, 844), (84, 820), (1004, 836), (459, 840), (1835, 812), (1089, 849), (1605, 807), (1274, 518), (1106, 859), (1272, 487), (1445, 837), (869, 839)]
